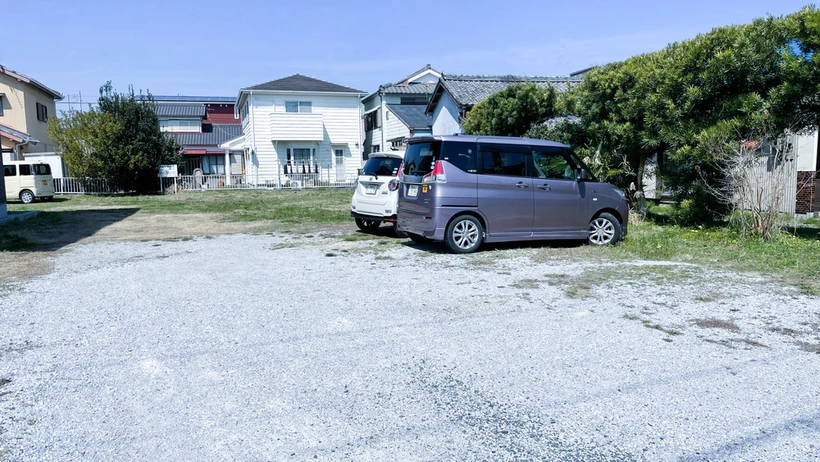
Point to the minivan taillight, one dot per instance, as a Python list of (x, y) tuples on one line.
[(437, 175), (400, 174), (393, 185)]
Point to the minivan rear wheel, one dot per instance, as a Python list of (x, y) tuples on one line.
[(367, 226), (26, 196), (465, 234), (604, 229)]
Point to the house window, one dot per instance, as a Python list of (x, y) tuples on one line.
[(376, 148), (42, 112), (1, 104), (180, 125), (372, 120), (299, 106), (213, 165)]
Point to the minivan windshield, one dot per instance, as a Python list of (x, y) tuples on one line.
[(420, 158), (378, 166)]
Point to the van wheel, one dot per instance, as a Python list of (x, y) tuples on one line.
[(367, 226), (418, 239), (26, 196), (465, 234), (398, 232), (604, 229)]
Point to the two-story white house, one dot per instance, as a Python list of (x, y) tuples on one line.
[(299, 127)]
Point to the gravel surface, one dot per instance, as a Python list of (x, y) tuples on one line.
[(275, 347)]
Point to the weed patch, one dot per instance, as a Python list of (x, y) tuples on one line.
[(809, 347), (712, 323)]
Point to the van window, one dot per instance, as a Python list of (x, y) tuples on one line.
[(25, 169), (509, 160), (41, 169), (9, 170), (420, 158), (552, 163), (461, 155)]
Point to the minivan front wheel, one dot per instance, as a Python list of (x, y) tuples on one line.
[(465, 234), (604, 229), (26, 196)]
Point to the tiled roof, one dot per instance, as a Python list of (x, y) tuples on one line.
[(13, 134), (412, 115), (220, 133), (300, 82), (410, 89), (469, 90), (54, 94), (180, 110)]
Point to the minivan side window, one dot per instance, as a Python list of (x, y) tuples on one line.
[(41, 169), (508, 160), (25, 169), (9, 170), (460, 154), (552, 163)]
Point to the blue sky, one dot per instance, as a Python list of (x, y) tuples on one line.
[(206, 47)]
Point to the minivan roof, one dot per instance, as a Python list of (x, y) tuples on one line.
[(488, 139)]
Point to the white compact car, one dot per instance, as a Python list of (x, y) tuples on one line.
[(377, 192)]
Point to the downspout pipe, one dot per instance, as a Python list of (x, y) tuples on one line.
[(17, 147), (382, 110)]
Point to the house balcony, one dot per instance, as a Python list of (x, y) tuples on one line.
[(294, 126)]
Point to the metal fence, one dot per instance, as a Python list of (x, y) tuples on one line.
[(89, 186), (295, 176)]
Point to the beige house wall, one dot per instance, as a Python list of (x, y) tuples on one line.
[(20, 112), (14, 103)]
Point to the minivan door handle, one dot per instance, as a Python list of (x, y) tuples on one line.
[(521, 185), (545, 187)]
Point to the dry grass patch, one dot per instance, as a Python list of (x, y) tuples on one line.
[(713, 323), (810, 347)]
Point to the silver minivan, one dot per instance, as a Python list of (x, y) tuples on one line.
[(465, 190)]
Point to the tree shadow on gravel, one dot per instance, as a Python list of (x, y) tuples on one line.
[(50, 231)]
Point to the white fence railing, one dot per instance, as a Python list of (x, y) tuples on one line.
[(318, 179), (89, 186)]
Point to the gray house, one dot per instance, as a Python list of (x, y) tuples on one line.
[(397, 111), (455, 95)]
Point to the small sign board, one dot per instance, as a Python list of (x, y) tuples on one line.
[(168, 171)]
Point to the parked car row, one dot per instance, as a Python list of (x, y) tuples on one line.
[(466, 190)]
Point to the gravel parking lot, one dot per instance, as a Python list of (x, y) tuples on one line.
[(286, 347)]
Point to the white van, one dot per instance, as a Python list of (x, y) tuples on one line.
[(27, 181)]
